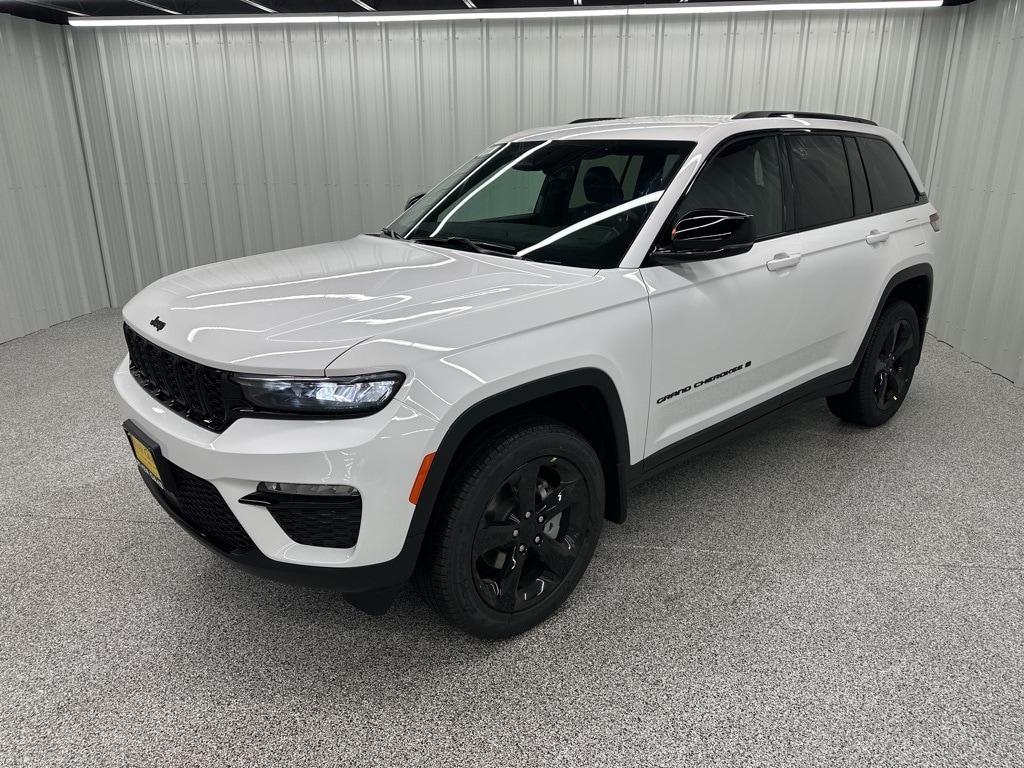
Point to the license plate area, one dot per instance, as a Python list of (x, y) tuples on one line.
[(147, 454)]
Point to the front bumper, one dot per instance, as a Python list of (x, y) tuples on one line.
[(378, 454), (379, 577)]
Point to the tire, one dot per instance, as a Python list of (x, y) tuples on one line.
[(497, 561), (883, 379)]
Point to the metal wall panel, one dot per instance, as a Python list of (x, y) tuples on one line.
[(50, 264), (978, 186), (209, 143)]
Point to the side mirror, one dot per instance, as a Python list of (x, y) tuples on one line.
[(412, 200), (707, 234)]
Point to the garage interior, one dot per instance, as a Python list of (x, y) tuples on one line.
[(813, 594)]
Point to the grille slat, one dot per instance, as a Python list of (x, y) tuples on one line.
[(188, 388)]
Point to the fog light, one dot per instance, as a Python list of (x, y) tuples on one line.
[(307, 489)]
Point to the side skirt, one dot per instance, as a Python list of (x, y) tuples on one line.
[(833, 383)]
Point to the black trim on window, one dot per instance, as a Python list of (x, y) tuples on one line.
[(921, 196), (854, 161), (788, 190), (788, 187)]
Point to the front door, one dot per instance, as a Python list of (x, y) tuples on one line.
[(727, 332)]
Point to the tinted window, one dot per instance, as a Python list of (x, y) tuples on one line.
[(577, 202), (821, 179), (858, 180), (744, 176), (516, 196), (890, 184)]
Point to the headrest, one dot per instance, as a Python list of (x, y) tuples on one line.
[(600, 185)]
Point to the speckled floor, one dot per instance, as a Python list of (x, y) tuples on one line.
[(815, 594)]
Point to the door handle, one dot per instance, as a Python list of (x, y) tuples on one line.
[(782, 261), (874, 236)]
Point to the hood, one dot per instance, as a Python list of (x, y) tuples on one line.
[(297, 310)]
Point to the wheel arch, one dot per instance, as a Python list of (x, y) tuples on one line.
[(914, 285), (584, 398)]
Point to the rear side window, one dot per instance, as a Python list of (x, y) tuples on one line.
[(821, 178), (889, 181)]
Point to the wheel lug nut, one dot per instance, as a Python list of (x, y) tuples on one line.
[(515, 533), (522, 547), (536, 539), (540, 518), (527, 515)]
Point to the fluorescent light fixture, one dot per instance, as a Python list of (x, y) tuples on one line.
[(190, 21), (482, 15), (749, 7), (478, 15)]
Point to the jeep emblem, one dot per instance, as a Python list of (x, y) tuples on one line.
[(157, 323)]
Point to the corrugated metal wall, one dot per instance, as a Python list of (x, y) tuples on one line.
[(208, 143), (50, 266), (978, 185)]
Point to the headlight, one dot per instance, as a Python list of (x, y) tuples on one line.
[(341, 395)]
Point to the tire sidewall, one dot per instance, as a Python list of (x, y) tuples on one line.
[(561, 442), (900, 310)]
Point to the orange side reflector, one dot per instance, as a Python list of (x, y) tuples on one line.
[(421, 478)]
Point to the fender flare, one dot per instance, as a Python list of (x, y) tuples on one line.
[(903, 276), (515, 396)]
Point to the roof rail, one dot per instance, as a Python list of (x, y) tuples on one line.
[(808, 115), (591, 119)]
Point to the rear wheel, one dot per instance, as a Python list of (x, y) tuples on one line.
[(522, 517), (883, 378)]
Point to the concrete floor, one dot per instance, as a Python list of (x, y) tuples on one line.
[(815, 594)]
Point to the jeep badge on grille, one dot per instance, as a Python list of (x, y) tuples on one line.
[(157, 323)]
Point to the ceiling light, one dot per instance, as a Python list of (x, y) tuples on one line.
[(748, 7), (511, 14), (188, 21)]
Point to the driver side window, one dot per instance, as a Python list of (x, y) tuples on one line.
[(744, 176)]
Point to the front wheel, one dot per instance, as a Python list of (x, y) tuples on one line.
[(521, 519), (883, 378)]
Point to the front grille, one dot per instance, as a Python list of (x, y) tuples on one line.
[(202, 507), (195, 391), (324, 523)]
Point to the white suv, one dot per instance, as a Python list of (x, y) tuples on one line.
[(466, 396)]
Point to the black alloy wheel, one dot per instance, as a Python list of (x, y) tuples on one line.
[(530, 533), (514, 529), (883, 378), (895, 359)]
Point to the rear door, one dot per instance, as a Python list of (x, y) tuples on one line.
[(838, 271)]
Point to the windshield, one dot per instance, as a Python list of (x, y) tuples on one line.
[(576, 202)]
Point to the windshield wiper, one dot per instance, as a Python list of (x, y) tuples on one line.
[(477, 246), (389, 232)]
